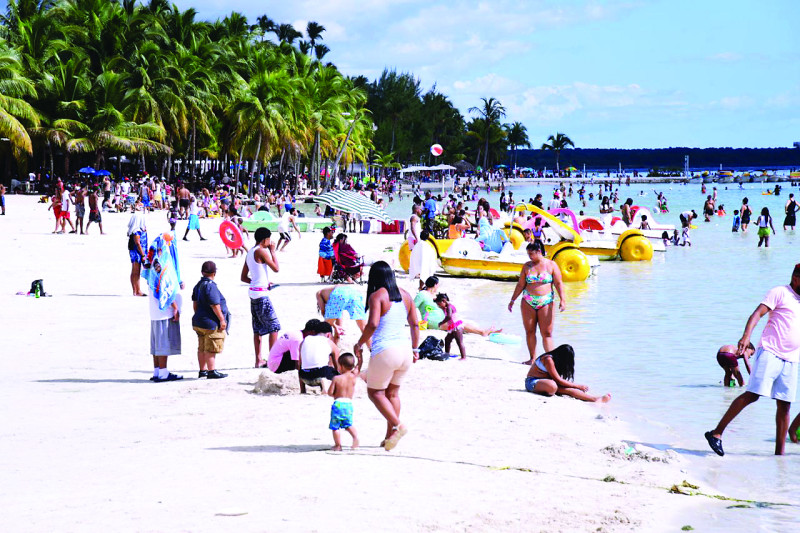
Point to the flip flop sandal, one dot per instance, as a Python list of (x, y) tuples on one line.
[(715, 443), (392, 441)]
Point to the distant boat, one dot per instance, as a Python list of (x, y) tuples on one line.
[(725, 176), (695, 180)]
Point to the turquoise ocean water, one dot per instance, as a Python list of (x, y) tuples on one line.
[(649, 332)]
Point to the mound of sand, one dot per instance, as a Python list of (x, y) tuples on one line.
[(271, 384)]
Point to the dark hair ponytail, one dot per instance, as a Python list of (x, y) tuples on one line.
[(381, 276)]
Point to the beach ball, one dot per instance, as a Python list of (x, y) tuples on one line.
[(437, 150)]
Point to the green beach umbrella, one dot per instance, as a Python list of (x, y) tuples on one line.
[(353, 202)]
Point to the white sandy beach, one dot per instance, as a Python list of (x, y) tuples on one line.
[(89, 444)]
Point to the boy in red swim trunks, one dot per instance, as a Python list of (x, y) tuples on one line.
[(729, 361)]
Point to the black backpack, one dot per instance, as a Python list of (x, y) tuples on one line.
[(433, 348), (37, 283)]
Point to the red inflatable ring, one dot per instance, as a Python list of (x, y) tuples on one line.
[(230, 235)]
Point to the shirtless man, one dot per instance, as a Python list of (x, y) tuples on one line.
[(3, 198), (183, 201), (94, 212), (80, 205), (106, 193)]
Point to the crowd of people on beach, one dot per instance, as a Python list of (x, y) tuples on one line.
[(388, 317)]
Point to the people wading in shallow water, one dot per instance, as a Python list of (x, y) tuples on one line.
[(537, 280)]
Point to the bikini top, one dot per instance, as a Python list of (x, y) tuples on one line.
[(539, 278)]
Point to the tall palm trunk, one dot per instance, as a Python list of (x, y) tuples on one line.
[(280, 165), (315, 162), (50, 149), (332, 182), (486, 151), (194, 145), (255, 166), (238, 169)]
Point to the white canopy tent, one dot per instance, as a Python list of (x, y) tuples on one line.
[(441, 167)]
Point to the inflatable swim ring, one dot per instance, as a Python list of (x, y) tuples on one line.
[(230, 235), (504, 338)]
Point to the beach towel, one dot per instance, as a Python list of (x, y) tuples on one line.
[(163, 270)]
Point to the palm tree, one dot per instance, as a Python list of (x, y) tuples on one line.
[(264, 26), (286, 33), (314, 32), (517, 135), (385, 161), (556, 143), (15, 90), (491, 112), (320, 50)]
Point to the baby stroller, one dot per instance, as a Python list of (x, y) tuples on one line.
[(339, 275)]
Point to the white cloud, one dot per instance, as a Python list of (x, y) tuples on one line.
[(726, 57)]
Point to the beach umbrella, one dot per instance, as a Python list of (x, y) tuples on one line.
[(102, 173), (352, 202), (88, 170), (572, 169)]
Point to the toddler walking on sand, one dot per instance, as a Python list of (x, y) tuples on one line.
[(342, 409), (455, 327)]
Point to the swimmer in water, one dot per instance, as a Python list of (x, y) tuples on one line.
[(729, 361)]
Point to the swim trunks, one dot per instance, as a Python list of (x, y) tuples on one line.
[(94, 216), (341, 414), (727, 360), (264, 319), (80, 211)]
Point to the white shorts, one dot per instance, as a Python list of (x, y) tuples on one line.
[(772, 376), (389, 367)]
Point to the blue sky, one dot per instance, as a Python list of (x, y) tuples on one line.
[(610, 74)]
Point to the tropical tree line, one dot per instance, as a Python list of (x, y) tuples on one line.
[(90, 82)]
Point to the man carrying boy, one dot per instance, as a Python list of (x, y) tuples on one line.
[(342, 409), (775, 362)]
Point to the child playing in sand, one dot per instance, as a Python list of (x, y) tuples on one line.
[(552, 373), (455, 327), (342, 389), (728, 360)]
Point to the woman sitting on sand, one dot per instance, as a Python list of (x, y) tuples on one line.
[(430, 312), (553, 372), (536, 282)]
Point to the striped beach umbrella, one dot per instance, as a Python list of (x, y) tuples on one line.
[(353, 202)]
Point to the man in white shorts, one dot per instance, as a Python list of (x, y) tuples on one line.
[(775, 362)]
